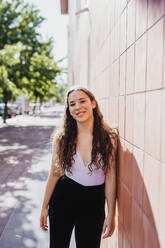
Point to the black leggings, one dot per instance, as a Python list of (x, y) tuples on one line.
[(75, 205)]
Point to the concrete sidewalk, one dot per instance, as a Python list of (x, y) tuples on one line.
[(24, 171)]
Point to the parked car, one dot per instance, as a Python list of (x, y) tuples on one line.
[(12, 110), (9, 111)]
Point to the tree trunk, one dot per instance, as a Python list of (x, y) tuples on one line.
[(5, 113)]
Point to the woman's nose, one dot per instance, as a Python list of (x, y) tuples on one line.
[(77, 105)]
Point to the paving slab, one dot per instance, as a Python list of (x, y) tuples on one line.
[(25, 149)]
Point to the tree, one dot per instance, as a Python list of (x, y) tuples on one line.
[(43, 71), (9, 56), (34, 69)]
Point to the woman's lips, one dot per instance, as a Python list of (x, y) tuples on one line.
[(80, 113)]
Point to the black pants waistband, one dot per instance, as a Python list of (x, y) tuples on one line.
[(73, 182)]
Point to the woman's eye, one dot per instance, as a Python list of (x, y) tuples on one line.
[(82, 101), (72, 104)]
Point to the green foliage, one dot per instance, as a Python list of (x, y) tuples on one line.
[(9, 56), (26, 63)]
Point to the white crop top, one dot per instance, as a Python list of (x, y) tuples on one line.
[(81, 173)]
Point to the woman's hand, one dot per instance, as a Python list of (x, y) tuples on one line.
[(43, 219), (108, 227)]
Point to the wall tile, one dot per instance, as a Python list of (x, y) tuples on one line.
[(121, 115), (140, 64), (153, 123), (117, 46), (126, 242), (139, 120), (141, 17), (115, 82), (120, 235), (162, 206), (151, 194), (130, 70), (122, 73), (163, 129), (120, 194), (155, 11), (151, 239), (112, 46), (129, 118), (121, 167), (123, 34), (137, 226), (112, 14), (128, 166), (137, 174), (131, 23), (127, 215), (122, 4), (155, 58), (112, 108), (164, 55)]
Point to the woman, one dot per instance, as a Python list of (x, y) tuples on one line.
[(82, 175)]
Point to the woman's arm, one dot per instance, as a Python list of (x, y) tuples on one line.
[(51, 182), (54, 174), (110, 194)]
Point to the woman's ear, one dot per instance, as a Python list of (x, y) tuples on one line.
[(93, 104)]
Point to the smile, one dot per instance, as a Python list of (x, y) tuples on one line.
[(80, 113)]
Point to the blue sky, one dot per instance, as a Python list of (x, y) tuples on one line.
[(55, 25)]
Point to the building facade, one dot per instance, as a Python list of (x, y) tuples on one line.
[(117, 50)]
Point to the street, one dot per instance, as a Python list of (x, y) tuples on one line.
[(25, 155)]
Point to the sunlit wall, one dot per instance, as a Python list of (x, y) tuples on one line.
[(116, 48)]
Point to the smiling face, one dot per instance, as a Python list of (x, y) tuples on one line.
[(80, 106)]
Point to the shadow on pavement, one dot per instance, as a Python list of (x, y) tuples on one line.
[(25, 153)]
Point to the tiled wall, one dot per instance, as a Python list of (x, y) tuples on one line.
[(116, 48)]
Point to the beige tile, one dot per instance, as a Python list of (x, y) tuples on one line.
[(122, 4), (111, 14), (122, 33), (130, 70), (120, 195), (141, 17), (128, 166), (121, 115), (162, 206), (140, 64), (137, 226), (126, 241), (112, 108), (121, 154), (122, 73), (115, 79), (154, 58), (131, 23), (112, 46), (151, 189), (163, 129), (120, 235), (153, 123), (127, 214), (162, 238), (164, 57), (139, 120), (117, 41), (117, 11), (129, 118), (155, 11), (137, 180), (151, 237)]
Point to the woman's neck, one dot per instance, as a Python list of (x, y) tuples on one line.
[(85, 127)]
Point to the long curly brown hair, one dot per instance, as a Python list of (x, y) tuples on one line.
[(103, 143)]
